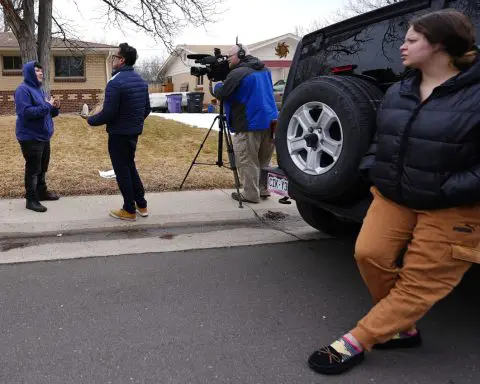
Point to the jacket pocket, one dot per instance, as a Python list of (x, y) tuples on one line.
[(461, 252)]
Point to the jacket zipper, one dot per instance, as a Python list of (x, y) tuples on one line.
[(403, 144)]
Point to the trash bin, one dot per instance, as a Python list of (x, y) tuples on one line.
[(174, 103), (195, 102)]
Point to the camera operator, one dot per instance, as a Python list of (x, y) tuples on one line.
[(251, 112)]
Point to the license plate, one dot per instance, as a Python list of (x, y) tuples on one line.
[(277, 184)]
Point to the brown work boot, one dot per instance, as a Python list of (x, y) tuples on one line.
[(123, 215), (142, 211)]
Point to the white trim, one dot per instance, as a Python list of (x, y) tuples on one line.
[(107, 61), (173, 56), (256, 46)]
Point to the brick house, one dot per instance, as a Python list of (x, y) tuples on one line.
[(79, 72), (277, 54)]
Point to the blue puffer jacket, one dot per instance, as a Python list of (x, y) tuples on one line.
[(248, 96), (34, 114), (126, 103)]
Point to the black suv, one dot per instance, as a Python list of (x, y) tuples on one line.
[(338, 77)]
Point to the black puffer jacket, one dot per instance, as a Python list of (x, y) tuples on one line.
[(428, 154)]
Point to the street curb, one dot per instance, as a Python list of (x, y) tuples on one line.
[(246, 216)]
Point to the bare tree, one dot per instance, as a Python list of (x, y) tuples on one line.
[(301, 30), (22, 22), (357, 7), (3, 21), (45, 38), (149, 68), (161, 19), (349, 9)]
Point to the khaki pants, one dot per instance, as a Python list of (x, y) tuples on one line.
[(434, 242), (253, 153)]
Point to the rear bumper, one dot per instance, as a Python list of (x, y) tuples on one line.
[(354, 210)]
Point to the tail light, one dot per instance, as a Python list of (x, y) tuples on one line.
[(344, 68)]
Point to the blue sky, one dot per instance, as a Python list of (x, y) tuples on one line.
[(251, 20)]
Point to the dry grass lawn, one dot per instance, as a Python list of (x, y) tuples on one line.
[(164, 153)]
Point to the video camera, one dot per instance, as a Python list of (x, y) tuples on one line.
[(215, 67)]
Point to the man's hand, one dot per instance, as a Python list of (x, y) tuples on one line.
[(50, 101), (56, 103)]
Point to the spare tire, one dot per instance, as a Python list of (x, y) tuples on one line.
[(325, 127)]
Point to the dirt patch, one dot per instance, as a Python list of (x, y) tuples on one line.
[(167, 236), (4, 247)]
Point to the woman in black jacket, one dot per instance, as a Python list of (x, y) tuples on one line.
[(425, 169)]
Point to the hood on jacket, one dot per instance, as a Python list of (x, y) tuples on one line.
[(465, 78), (29, 74), (251, 62)]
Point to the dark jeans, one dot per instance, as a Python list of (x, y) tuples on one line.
[(122, 153), (37, 158)]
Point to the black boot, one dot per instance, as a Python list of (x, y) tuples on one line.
[(43, 193), (35, 205), (47, 196)]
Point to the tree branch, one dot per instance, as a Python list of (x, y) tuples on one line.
[(11, 16), (160, 19)]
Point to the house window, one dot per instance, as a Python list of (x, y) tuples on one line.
[(69, 66), (12, 63), (200, 80)]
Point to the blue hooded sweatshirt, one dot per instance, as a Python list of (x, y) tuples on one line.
[(34, 114)]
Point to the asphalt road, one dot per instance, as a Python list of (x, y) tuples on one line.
[(231, 315)]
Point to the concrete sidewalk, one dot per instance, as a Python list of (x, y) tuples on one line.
[(85, 214)]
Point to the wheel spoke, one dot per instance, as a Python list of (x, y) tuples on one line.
[(312, 159), (326, 119), (304, 119), (297, 144), (331, 147)]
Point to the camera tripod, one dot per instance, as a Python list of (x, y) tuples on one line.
[(223, 132)]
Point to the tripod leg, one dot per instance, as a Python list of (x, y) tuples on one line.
[(198, 152), (233, 166), (220, 145)]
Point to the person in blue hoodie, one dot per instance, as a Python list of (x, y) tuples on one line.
[(34, 129), (126, 106), (251, 112)]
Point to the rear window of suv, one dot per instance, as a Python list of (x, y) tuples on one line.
[(470, 8), (372, 49)]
